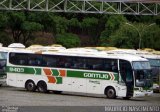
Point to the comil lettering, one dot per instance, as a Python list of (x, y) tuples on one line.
[(96, 76)]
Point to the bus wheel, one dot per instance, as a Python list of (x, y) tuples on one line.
[(110, 92), (42, 87), (30, 85)]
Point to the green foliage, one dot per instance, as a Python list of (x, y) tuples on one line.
[(5, 39), (105, 30), (89, 24), (15, 20), (151, 37), (125, 37), (133, 35), (31, 26), (3, 20), (74, 25), (68, 40), (61, 24), (112, 24)]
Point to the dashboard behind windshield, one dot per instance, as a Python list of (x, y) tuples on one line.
[(142, 72)]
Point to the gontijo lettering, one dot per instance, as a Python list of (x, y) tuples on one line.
[(93, 75)]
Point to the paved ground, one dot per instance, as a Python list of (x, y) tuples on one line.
[(10, 96)]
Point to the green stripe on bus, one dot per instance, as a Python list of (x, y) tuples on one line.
[(70, 73), (55, 72), (59, 80), (92, 75), (24, 70)]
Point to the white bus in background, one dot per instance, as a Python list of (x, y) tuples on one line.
[(3, 61), (41, 48), (80, 70), (154, 61)]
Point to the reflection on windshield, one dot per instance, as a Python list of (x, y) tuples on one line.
[(141, 65), (3, 55), (154, 62)]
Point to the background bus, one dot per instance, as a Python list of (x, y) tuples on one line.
[(155, 65), (3, 59), (80, 70), (3, 62)]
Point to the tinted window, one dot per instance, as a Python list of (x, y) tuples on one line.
[(71, 62)]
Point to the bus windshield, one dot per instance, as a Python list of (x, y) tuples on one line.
[(142, 71), (141, 65), (3, 55), (154, 62), (3, 61)]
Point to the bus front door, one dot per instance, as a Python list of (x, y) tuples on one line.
[(127, 76)]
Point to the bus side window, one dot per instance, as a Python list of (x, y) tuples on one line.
[(22, 62), (107, 67), (32, 62)]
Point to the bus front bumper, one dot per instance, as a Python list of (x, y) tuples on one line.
[(142, 93)]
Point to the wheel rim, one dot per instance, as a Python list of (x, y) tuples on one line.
[(40, 89), (30, 86), (110, 93)]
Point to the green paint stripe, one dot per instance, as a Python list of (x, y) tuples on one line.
[(24, 70), (55, 72), (90, 75), (59, 80), (70, 73), (38, 71)]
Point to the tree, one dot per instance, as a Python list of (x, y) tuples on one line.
[(5, 39), (90, 27), (124, 37), (130, 36), (3, 20), (68, 40), (22, 26), (15, 21), (151, 37), (28, 28), (113, 23), (61, 24), (74, 25)]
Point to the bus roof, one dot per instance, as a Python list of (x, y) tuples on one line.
[(85, 52)]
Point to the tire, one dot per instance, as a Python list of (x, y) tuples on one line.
[(42, 87), (110, 93), (0, 85), (30, 86)]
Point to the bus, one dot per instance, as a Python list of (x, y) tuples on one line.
[(3, 59), (80, 70), (154, 60), (3, 62)]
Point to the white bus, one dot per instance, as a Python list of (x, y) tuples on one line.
[(80, 70), (154, 60), (3, 62)]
